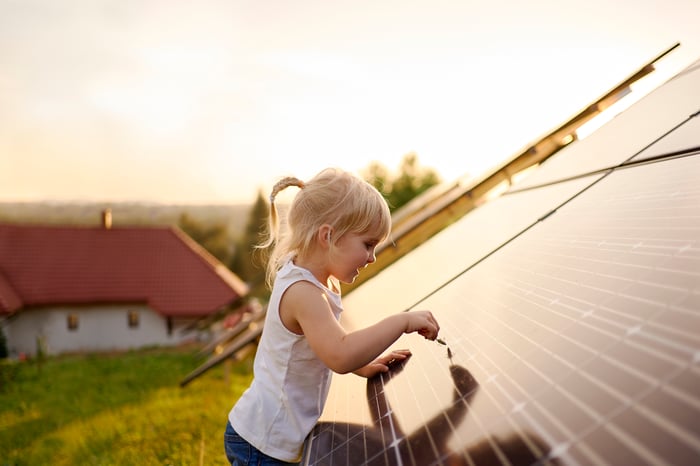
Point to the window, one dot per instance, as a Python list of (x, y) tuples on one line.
[(133, 319), (72, 322)]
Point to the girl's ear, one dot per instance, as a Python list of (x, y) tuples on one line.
[(325, 233)]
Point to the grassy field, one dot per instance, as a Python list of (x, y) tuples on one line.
[(124, 409)]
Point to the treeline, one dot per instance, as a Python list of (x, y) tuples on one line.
[(228, 232), (232, 216)]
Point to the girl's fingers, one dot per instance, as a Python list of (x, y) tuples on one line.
[(396, 355)]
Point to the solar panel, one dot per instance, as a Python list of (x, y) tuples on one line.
[(571, 313)]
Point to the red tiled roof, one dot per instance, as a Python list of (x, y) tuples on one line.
[(47, 265)]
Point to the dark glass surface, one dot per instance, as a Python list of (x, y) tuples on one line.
[(576, 343)]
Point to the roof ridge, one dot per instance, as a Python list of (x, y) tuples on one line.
[(216, 265)]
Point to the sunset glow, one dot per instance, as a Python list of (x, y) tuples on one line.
[(210, 102)]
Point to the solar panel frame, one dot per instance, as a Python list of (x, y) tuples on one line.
[(631, 132)]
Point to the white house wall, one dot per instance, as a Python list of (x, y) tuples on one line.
[(100, 328)]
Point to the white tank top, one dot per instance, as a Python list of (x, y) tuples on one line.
[(290, 383)]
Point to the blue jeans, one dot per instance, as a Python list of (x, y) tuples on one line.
[(241, 453)]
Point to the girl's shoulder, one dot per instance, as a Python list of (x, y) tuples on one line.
[(291, 273), (290, 270)]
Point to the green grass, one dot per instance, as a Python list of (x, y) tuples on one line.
[(125, 409)]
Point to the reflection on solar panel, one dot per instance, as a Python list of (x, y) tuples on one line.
[(571, 313)]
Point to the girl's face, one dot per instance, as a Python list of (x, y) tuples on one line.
[(352, 252)]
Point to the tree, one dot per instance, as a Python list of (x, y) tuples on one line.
[(377, 175), (214, 238), (248, 262), (410, 181)]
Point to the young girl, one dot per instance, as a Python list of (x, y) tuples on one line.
[(333, 226)]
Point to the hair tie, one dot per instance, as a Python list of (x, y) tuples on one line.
[(285, 183)]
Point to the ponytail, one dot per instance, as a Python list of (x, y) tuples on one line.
[(273, 221)]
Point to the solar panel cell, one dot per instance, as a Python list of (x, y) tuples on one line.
[(682, 411), (654, 434), (612, 446)]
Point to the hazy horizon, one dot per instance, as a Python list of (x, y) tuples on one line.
[(209, 103)]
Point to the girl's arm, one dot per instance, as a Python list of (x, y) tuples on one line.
[(305, 307)]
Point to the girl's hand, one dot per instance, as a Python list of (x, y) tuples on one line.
[(383, 363), (422, 322)]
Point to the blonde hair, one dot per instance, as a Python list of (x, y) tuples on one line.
[(333, 197)]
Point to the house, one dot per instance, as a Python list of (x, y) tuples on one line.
[(76, 288)]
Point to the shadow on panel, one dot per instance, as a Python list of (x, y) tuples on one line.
[(385, 443)]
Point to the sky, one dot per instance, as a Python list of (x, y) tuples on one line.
[(183, 102)]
